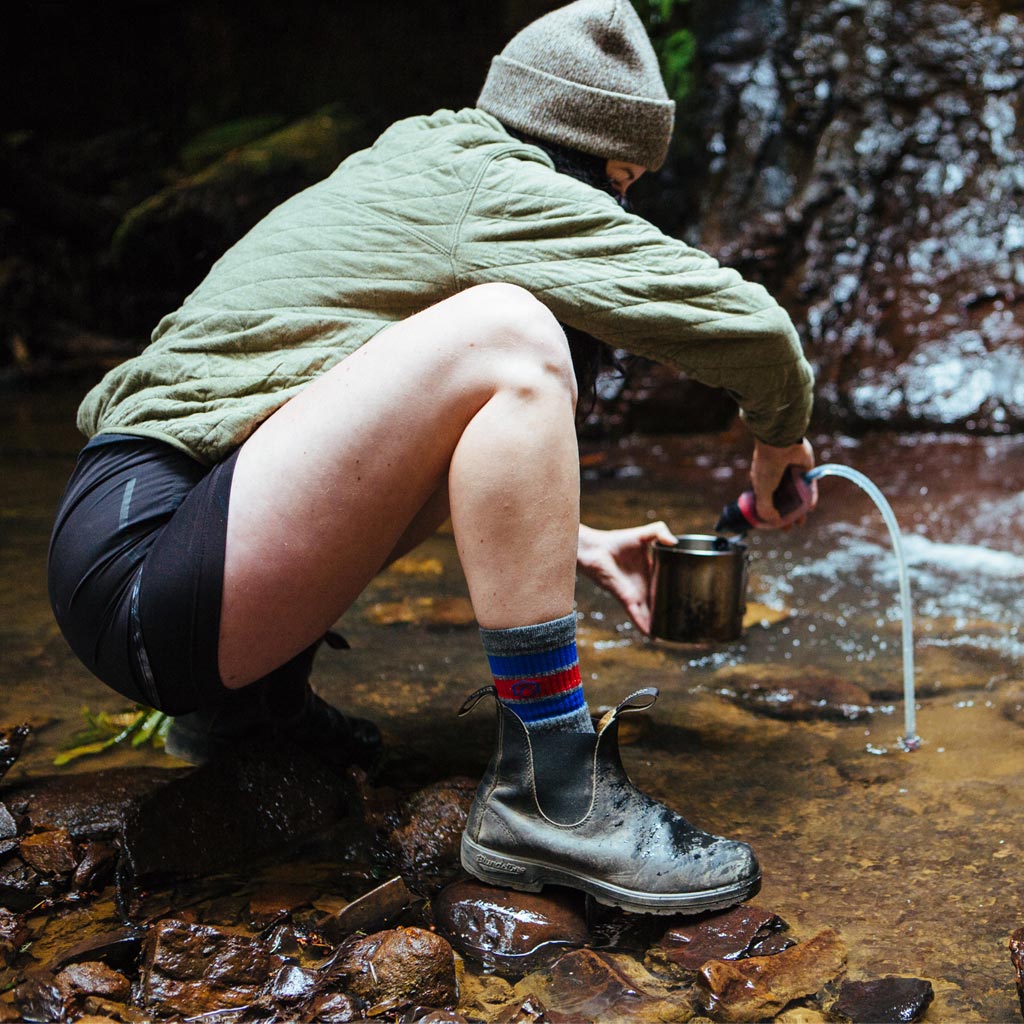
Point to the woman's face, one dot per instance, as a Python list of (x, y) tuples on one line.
[(622, 174)]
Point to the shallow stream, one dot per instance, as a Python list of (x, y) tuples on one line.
[(914, 858)]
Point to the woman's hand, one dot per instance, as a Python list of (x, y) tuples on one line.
[(620, 561), (766, 469)]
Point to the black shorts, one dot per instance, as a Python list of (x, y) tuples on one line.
[(136, 569)]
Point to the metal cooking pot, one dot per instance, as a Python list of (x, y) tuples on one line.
[(698, 589)]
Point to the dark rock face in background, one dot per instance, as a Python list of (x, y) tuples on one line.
[(863, 158), (866, 161)]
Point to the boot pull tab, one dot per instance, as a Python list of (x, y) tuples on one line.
[(634, 702), (474, 698)]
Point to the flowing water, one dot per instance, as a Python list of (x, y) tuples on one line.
[(915, 860)]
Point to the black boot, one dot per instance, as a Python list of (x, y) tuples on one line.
[(279, 707), (559, 809)]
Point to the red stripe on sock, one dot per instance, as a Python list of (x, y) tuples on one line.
[(538, 687)]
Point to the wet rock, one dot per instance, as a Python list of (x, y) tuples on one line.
[(91, 804), (95, 979), (760, 987), (225, 815), (370, 912), (292, 984), (512, 932), (532, 1011), (13, 935), (395, 969), (95, 866), (12, 740), (1017, 959), (415, 1016), (1011, 702), (193, 968), (40, 997), (273, 903), (118, 948), (602, 988), (744, 931), (887, 1000), (50, 853), (424, 845), (794, 694), (20, 885), (333, 1008), (8, 824)]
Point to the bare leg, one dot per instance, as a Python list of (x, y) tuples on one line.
[(475, 395)]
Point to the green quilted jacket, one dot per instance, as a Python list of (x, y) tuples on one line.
[(436, 205)]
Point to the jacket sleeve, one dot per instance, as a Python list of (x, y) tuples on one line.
[(615, 276)]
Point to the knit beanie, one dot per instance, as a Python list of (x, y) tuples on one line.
[(587, 77)]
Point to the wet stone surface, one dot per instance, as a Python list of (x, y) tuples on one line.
[(12, 739), (51, 853), (884, 1001), (760, 987), (1017, 960), (511, 932), (424, 844), (795, 695), (399, 968), (192, 968), (744, 931), (604, 988)]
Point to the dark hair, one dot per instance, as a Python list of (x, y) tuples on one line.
[(589, 356)]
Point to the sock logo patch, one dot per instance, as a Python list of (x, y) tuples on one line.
[(524, 689)]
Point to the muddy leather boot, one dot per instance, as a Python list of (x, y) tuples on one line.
[(280, 707), (559, 809)]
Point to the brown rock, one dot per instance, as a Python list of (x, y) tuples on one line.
[(887, 1000), (1017, 959), (603, 988), (793, 694), (744, 931), (20, 885), (332, 1008), (370, 912), (50, 853), (194, 968), (512, 932), (117, 948), (96, 979), (425, 843), (8, 823), (40, 997), (761, 986), (95, 866), (13, 935), (432, 612), (395, 969), (532, 1011)]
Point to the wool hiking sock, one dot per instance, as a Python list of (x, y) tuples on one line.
[(537, 674)]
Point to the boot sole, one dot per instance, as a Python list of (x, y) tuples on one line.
[(528, 875)]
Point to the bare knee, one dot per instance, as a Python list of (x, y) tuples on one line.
[(520, 333)]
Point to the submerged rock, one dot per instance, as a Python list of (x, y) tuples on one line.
[(1011, 702), (40, 997), (432, 612), (532, 1011), (370, 912), (424, 845), (743, 931), (191, 968), (794, 694), (602, 988), (760, 987), (887, 1000), (512, 932), (395, 969)]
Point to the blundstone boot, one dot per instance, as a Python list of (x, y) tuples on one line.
[(559, 809), (281, 706)]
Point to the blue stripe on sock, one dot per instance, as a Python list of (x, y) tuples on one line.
[(549, 707), (510, 667)]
